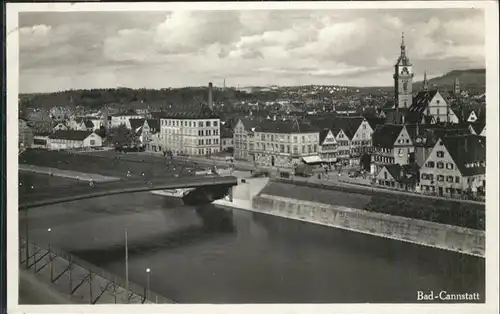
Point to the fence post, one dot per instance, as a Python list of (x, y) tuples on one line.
[(114, 288), (70, 276), (90, 286), (34, 257)]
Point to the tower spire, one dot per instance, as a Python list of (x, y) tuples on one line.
[(403, 46), (426, 83)]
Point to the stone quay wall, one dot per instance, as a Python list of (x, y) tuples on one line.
[(458, 239)]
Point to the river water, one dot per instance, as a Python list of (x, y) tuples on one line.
[(213, 255)]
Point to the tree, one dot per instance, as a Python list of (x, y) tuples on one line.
[(122, 136), (365, 161)]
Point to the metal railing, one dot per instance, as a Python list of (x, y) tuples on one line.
[(38, 252)]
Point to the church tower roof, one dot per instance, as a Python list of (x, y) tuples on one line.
[(403, 58), (426, 83)]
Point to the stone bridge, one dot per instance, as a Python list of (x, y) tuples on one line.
[(206, 190)]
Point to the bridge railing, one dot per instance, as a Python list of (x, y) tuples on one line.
[(135, 291)]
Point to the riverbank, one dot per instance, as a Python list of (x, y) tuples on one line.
[(67, 173), (341, 210), (65, 279), (347, 214)]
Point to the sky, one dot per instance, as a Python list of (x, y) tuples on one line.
[(72, 50)]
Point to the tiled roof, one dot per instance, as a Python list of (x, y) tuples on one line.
[(71, 135), (287, 127), (432, 133), (394, 115), (158, 114), (421, 100), (154, 124), (136, 123), (55, 123), (126, 114), (414, 117), (478, 127), (468, 153), (322, 135), (348, 124), (190, 112), (385, 135), (88, 123), (250, 123), (226, 132), (373, 122), (405, 173)]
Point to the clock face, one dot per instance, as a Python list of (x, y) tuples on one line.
[(405, 70)]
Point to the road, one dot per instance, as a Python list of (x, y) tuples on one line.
[(36, 291), (111, 164)]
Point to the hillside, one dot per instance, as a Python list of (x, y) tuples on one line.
[(128, 98), (472, 80)]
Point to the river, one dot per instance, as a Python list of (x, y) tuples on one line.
[(213, 255)]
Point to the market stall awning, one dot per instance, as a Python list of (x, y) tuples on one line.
[(311, 159)]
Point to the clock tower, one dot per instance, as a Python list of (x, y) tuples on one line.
[(403, 79)]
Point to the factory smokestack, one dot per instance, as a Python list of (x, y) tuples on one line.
[(210, 97)]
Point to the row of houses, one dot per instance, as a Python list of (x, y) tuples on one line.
[(397, 152), (454, 166), (330, 139)]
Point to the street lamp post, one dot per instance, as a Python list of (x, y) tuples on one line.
[(126, 264), (50, 259), (148, 273), (27, 237)]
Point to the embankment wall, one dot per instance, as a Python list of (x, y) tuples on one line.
[(421, 232)]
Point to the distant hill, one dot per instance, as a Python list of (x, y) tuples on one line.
[(127, 98), (473, 80)]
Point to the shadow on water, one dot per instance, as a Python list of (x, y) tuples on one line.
[(459, 271), (214, 222)]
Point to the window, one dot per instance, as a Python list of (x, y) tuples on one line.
[(440, 153), (439, 165), (207, 123), (449, 179), (457, 179), (215, 123), (430, 164), (449, 165), (424, 176), (92, 142), (440, 178)]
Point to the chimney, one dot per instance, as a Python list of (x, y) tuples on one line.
[(210, 97)]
